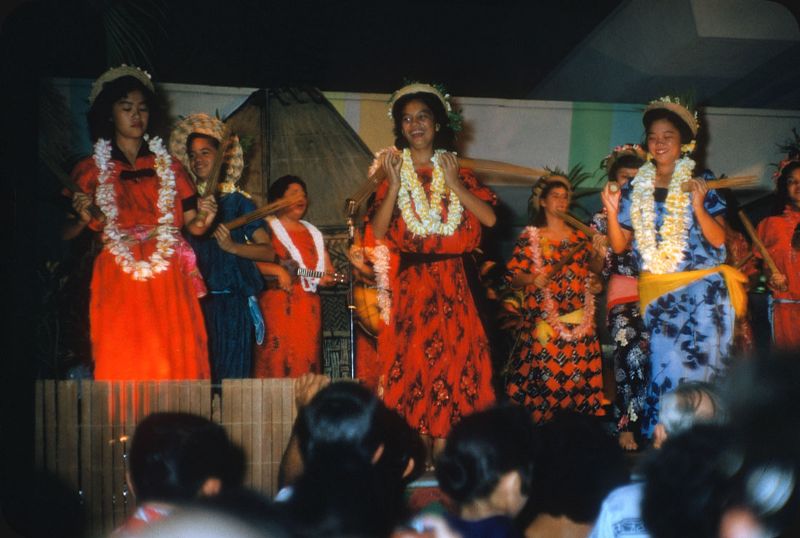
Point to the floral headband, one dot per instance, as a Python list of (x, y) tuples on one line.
[(620, 151), (118, 72), (455, 117)]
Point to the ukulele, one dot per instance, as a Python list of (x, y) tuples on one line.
[(295, 270)]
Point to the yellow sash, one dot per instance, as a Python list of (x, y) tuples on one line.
[(651, 286), (544, 331)]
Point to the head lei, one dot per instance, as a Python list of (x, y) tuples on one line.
[(569, 180), (206, 125), (791, 147), (118, 72), (621, 151), (454, 116), (683, 111)]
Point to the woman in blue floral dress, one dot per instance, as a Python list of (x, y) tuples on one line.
[(624, 320), (686, 293)]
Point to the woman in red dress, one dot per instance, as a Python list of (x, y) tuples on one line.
[(428, 214), (291, 306), (781, 235), (144, 313), (556, 363)]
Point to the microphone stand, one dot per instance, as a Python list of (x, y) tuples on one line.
[(350, 210)]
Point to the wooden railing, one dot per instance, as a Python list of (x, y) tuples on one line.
[(84, 428)]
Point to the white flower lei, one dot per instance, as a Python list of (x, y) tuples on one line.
[(426, 216), (661, 257), (380, 263), (549, 305), (106, 198)]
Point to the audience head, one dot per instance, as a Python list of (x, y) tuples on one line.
[(579, 464), (692, 402), (176, 457), (489, 457), (689, 482)]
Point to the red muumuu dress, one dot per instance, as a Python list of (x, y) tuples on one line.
[(152, 329), (435, 354)]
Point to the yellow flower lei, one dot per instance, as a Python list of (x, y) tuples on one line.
[(425, 218), (664, 256)]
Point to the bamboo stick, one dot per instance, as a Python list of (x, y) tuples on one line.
[(565, 260), (70, 185), (263, 211), (748, 226), (577, 224), (726, 183), (213, 179), (741, 263)]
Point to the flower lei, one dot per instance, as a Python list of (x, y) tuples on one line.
[(426, 216), (664, 256), (380, 264), (549, 305), (165, 233)]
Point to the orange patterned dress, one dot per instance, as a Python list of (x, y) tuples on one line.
[(293, 321), (550, 370), (437, 366), (152, 329)]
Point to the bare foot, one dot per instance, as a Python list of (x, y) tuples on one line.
[(627, 441)]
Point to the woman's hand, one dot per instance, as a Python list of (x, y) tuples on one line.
[(541, 281), (81, 203), (206, 211), (449, 164), (600, 244), (224, 240), (699, 190), (595, 286), (611, 200), (284, 279), (391, 163), (778, 282)]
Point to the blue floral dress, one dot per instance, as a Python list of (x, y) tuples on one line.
[(233, 319), (691, 328)]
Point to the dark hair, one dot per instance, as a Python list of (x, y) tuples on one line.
[(279, 187), (579, 464), (340, 425), (782, 188), (173, 454), (536, 216), (444, 138), (194, 136), (625, 161), (688, 482), (341, 492), (101, 124), (651, 116), (482, 448)]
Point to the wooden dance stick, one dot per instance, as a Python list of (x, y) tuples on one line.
[(726, 183), (71, 186), (520, 174), (213, 180), (263, 211), (575, 223), (741, 263), (757, 242), (564, 260)]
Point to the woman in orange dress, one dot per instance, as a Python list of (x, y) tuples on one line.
[(556, 363), (428, 214), (144, 313), (780, 233), (291, 306)]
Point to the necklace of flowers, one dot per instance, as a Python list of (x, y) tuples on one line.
[(380, 264), (165, 232), (425, 218), (664, 256), (309, 283), (549, 305)]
